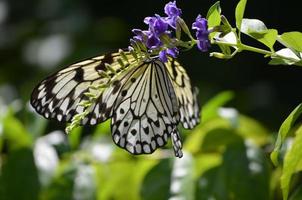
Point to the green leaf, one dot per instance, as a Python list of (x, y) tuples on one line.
[(246, 172), (206, 161), (74, 137), (243, 174), (239, 12), (213, 15), (289, 58), (62, 185), (15, 133), (252, 26), (283, 131), (218, 138), (102, 129), (210, 109), (123, 177), (19, 177), (293, 40), (251, 129), (291, 161), (297, 194), (279, 61), (257, 30), (156, 184), (211, 186), (193, 142), (34, 124)]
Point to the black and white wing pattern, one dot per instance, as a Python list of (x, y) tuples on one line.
[(58, 96), (145, 99), (189, 108), (146, 111)]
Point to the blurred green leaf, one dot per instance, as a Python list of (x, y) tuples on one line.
[(85, 182), (249, 162), (293, 40), (102, 129), (218, 138), (252, 129), (291, 161), (74, 180), (283, 131), (297, 194), (213, 15), (211, 185), (239, 13), (74, 137), (243, 174), (19, 177), (161, 175), (257, 30), (206, 161), (15, 133), (122, 178), (193, 142), (62, 185), (34, 123), (210, 109)]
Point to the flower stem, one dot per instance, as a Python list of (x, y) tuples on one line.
[(243, 47)]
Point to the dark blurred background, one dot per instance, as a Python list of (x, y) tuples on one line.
[(38, 37)]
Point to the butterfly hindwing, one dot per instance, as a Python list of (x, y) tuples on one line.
[(186, 95), (146, 110)]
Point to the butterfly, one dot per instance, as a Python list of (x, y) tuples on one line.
[(146, 99)]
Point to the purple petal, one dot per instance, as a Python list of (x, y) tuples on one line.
[(172, 21), (160, 25), (173, 52), (153, 41), (203, 45), (171, 9), (200, 23), (149, 20), (163, 56)]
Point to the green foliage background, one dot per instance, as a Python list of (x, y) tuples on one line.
[(227, 156)]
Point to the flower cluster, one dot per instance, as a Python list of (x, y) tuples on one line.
[(202, 33), (158, 27), (158, 39)]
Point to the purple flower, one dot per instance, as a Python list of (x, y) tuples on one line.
[(173, 13), (157, 25), (153, 41), (171, 9), (139, 35), (202, 33), (163, 55), (173, 52), (147, 37)]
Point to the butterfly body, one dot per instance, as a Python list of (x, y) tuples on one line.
[(145, 99)]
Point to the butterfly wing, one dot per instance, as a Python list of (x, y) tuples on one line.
[(146, 101), (58, 96), (146, 111), (186, 95)]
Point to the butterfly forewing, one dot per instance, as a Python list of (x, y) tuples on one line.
[(59, 95)]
